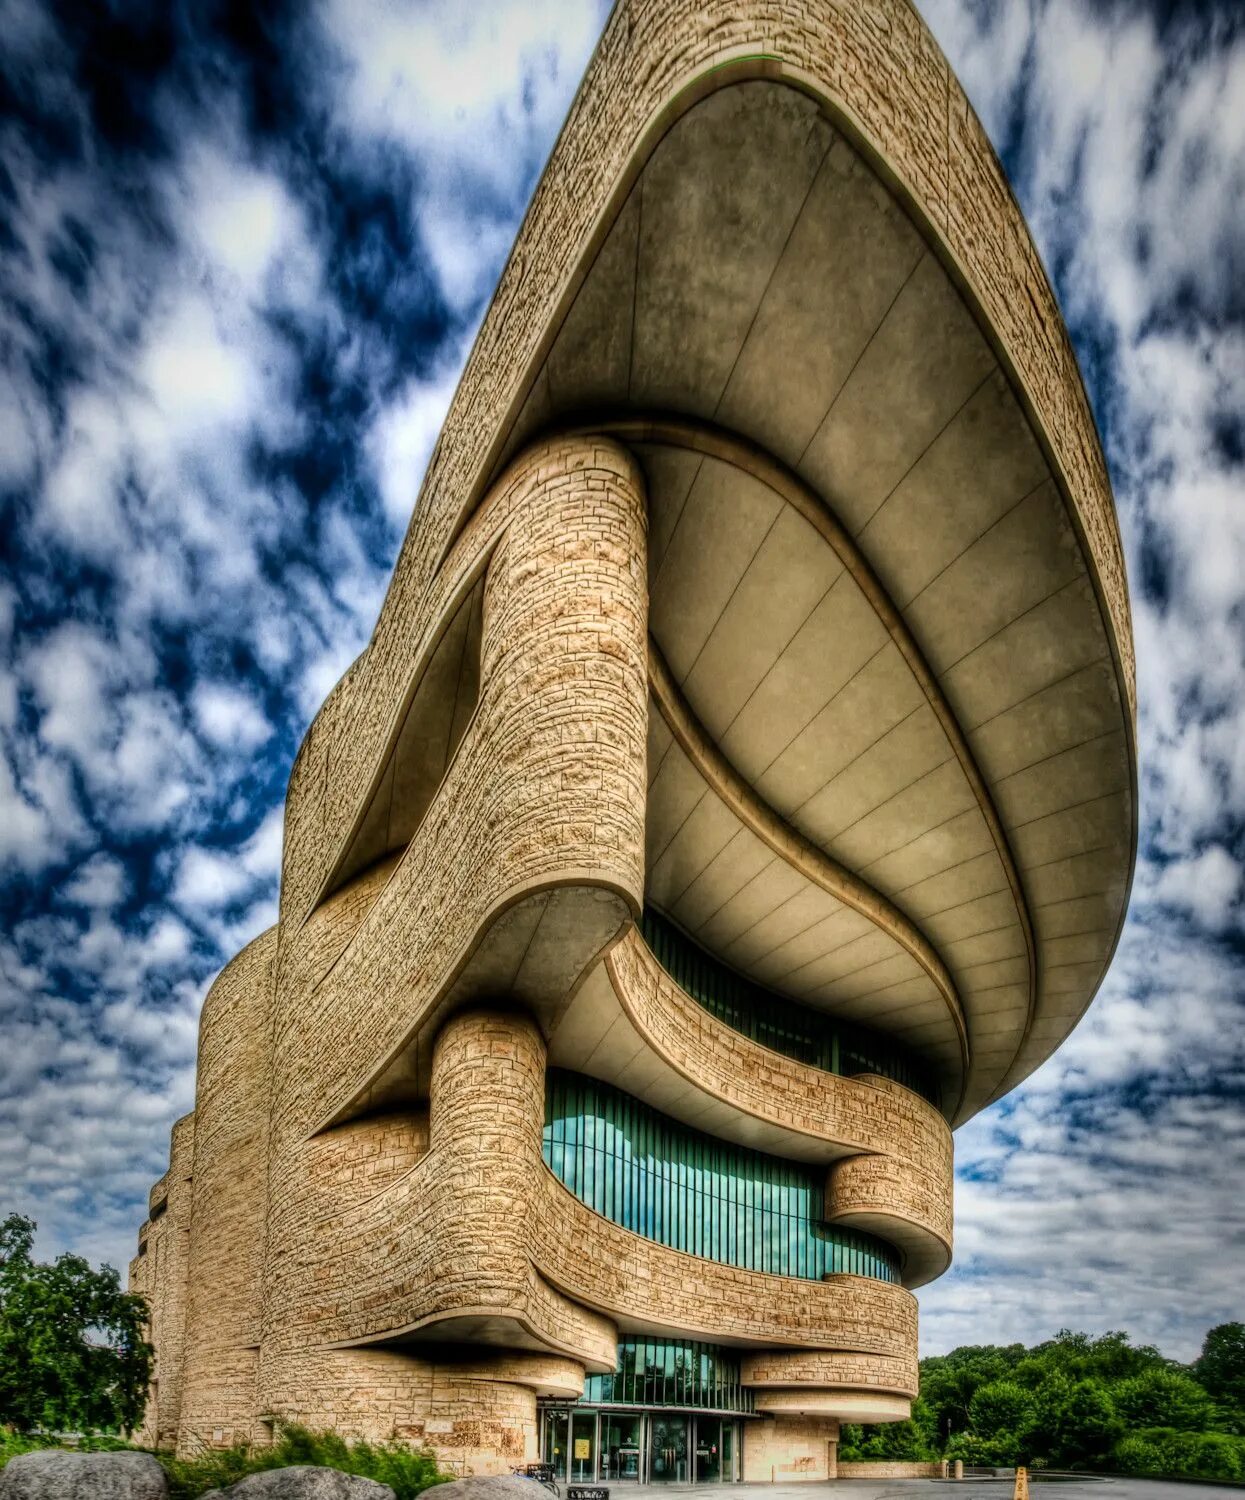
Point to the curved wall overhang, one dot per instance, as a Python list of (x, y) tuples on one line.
[(867, 82)]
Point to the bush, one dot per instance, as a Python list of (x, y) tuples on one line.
[(1163, 1398), (1204, 1455), (1138, 1455), (997, 1452), (1192, 1455), (13, 1443), (407, 1471)]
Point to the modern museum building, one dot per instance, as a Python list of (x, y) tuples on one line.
[(737, 793)]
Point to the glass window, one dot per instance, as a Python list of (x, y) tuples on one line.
[(697, 1194)]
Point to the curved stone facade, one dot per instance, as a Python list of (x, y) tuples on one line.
[(765, 582)]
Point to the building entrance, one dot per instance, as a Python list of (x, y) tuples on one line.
[(605, 1445)]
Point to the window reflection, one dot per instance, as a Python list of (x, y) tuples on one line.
[(694, 1192), (663, 1372)]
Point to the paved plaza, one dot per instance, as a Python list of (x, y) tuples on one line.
[(1087, 1488)]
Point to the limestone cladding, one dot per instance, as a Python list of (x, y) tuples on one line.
[(900, 1168), (161, 1274), (889, 86), (879, 1469), (228, 1202), (781, 1368), (546, 791), (790, 1447)]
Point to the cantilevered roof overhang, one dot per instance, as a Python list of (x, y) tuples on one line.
[(892, 745)]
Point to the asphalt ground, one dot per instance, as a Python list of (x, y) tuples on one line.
[(946, 1489)]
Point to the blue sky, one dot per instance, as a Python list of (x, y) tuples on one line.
[(243, 253)]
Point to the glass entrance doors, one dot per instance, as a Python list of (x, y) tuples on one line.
[(715, 1450), (602, 1445), (620, 1446), (583, 1446), (667, 1453), (555, 1442)]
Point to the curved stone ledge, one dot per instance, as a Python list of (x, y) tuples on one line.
[(846, 1406), (897, 1180), (766, 1369), (414, 1240), (410, 1262), (647, 1287), (545, 795)]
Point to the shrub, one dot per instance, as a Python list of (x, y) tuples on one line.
[(14, 1443), (1163, 1398), (1138, 1455), (407, 1471)]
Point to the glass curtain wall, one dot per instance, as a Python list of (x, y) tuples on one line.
[(662, 1372), (773, 1020), (696, 1193)]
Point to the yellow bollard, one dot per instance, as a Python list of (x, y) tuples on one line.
[(1021, 1492)]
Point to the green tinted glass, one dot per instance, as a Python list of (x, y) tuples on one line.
[(671, 1373), (696, 1193)]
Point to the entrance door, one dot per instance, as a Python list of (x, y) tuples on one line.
[(667, 1462), (729, 1448), (557, 1441), (583, 1446), (708, 1450), (620, 1446)]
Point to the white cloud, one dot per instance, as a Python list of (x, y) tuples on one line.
[(100, 881), (229, 717), (475, 94), (1207, 886), (402, 438), (209, 878)]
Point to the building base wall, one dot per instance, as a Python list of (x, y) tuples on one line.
[(790, 1448), (473, 1422)]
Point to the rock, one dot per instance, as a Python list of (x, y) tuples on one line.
[(52, 1474), (302, 1482), (490, 1487)]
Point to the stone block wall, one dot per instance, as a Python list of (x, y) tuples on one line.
[(160, 1272), (784, 1449), (229, 1190)]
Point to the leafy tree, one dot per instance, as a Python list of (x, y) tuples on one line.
[(1000, 1407), (1074, 1420), (1163, 1398), (1221, 1366), (913, 1440), (72, 1351)]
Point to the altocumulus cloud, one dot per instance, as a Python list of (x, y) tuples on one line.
[(245, 252)]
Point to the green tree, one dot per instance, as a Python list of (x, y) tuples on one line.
[(1074, 1421), (913, 1440), (72, 1351), (1163, 1398), (1000, 1407), (1220, 1367)]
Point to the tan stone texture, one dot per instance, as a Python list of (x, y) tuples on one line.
[(160, 1273), (766, 571)]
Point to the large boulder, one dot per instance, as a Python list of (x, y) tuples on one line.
[(302, 1482), (490, 1487), (52, 1474)]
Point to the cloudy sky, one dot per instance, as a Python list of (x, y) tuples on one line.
[(242, 258)]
